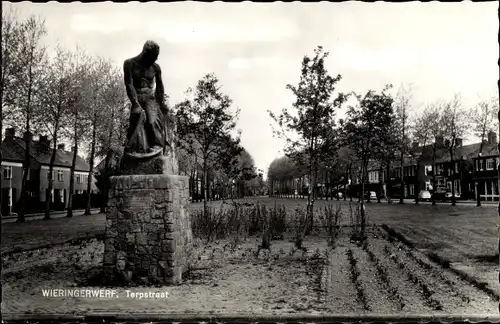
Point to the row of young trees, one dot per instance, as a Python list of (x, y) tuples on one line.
[(70, 96), (76, 97), (378, 127)]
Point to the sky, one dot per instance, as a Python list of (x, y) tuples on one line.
[(256, 49)]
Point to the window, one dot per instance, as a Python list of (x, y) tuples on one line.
[(490, 164), (428, 170), (439, 169), (481, 165), (412, 189), (448, 185), (457, 167), (7, 172), (29, 174), (60, 176), (48, 173), (79, 179), (457, 187), (428, 185)]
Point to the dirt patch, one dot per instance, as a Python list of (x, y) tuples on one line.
[(380, 275)]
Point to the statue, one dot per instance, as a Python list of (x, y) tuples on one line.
[(146, 135)]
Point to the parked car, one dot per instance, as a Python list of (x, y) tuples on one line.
[(371, 194), (338, 194), (424, 195), (448, 195)]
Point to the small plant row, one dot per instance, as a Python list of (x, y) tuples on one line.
[(272, 222), (445, 264), (481, 286), (384, 277), (356, 282), (423, 288), (437, 273)]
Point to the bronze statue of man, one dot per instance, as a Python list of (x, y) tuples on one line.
[(146, 132)]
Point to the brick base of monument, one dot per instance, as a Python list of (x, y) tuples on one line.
[(148, 229)]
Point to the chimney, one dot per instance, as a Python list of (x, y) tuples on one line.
[(439, 141), (492, 137), (44, 140), (28, 137), (10, 132), (60, 146), (458, 142)]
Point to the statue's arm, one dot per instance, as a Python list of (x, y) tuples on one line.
[(160, 90), (129, 84)]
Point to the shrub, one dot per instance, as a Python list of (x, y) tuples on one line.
[(277, 222), (299, 227), (330, 219)]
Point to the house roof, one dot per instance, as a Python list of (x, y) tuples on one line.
[(14, 150), (488, 150)]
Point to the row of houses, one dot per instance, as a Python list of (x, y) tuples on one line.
[(473, 170), (14, 150)]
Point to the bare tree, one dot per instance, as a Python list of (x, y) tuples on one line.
[(434, 114), (11, 72), (109, 142), (313, 120), (32, 59), (421, 134), (402, 104), (98, 80), (483, 119), (58, 100), (76, 125), (206, 124), (455, 126), (366, 132)]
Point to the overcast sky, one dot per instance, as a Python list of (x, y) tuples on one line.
[(256, 49)]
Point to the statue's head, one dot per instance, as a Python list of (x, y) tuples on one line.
[(150, 51)]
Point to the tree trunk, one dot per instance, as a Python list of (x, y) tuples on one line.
[(26, 165), (386, 180), (72, 179), (362, 201), (417, 183), (453, 201), (478, 198), (107, 161), (48, 195), (402, 180), (434, 171), (205, 182), (91, 171), (380, 180), (310, 199)]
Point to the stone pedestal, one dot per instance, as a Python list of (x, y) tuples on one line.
[(148, 228)]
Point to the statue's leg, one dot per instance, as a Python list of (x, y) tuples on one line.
[(132, 132), (154, 125)]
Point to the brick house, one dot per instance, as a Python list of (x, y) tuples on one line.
[(13, 149), (485, 171), (458, 170)]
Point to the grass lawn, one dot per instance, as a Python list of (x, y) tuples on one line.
[(416, 260)]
